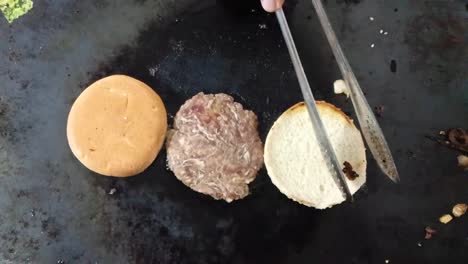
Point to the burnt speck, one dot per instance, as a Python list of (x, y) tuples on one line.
[(24, 84), (349, 2), (395, 10), (379, 110), (349, 172), (50, 228), (163, 231), (22, 193), (393, 66)]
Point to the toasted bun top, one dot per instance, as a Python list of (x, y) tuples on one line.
[(117, 125), (295, 163)]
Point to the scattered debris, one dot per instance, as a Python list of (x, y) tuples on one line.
[(463, 161), (419, 244), (379, 110), (262, 26), (387, 261), (153, 70), (372, 45), (339, 87), (349, 172), (429, 232), (459, 209), (112, 191), (60, 261), (393, 66), (456, 138), (371, 18), (385, 33), (445, 218), (381, 31)]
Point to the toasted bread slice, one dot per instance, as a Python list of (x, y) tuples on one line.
[(295, 163)]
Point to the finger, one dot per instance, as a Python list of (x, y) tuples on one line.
[(272, 5)]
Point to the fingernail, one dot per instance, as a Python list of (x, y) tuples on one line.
[(270, 5)]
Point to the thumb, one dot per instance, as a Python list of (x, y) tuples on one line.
[(272, 5)]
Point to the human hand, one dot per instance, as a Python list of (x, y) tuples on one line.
[(272, 5)]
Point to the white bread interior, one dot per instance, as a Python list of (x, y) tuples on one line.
[(294, 161)]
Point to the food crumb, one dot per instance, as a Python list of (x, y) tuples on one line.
[(387, 261), (112, 191), (419, 244), (339, 87), (371, 18), (385, 33), (429, 232), (445, 218), (381, 31), (349, 172), (379, 110), (262, 26), (372, 45), (393, 66), (459, 209), (463, 161)]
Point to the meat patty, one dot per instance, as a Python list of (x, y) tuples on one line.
[(214, 147)]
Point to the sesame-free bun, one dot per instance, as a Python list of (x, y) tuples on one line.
[(117, 126), (294, 161)]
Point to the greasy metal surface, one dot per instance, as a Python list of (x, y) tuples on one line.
[(52, 209)]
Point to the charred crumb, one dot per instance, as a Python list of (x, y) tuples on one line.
[(379, 110), (393, 66), (430, 232), (349, 172), (456, 138), (50, 228), (22, 193)]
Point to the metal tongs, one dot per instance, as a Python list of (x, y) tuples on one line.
[(368, 123)]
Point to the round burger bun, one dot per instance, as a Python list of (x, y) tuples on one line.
[(294, 161), (117, 126)]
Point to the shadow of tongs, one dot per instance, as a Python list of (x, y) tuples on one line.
[(367, 121)]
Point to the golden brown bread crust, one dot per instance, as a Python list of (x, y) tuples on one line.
[(302, 107)]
